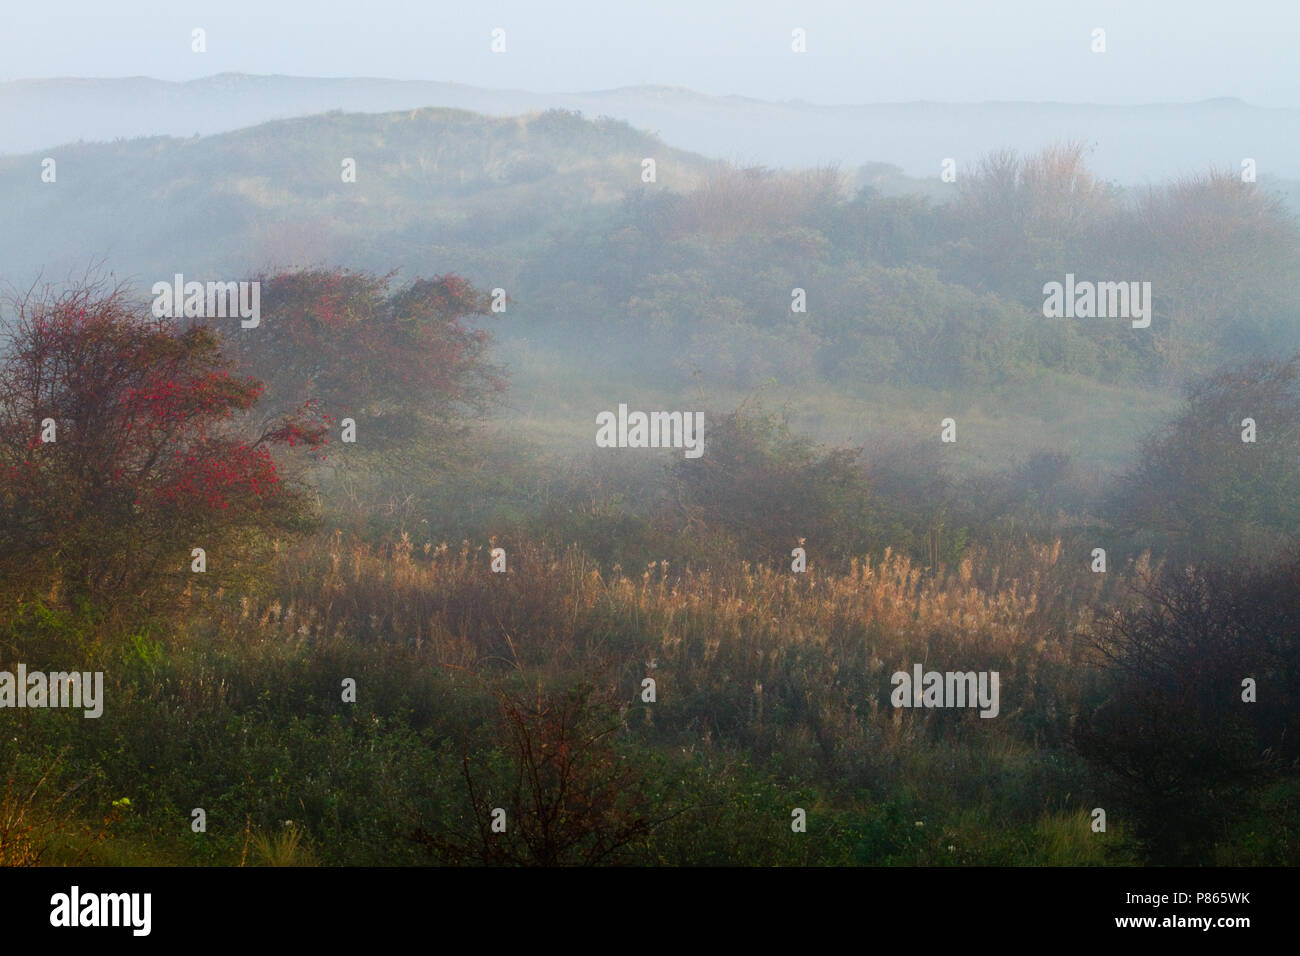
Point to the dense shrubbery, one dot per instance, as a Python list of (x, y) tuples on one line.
[(1201, 490), (1194, 755), (907, 293)]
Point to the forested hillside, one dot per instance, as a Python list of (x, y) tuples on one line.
[(931, 287)]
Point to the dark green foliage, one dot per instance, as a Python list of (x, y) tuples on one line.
[(1190, 759)]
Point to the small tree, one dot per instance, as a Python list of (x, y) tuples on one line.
[(124, 445), (1028, 219), (402, 364)]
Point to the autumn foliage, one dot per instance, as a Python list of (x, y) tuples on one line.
[(401, 363), (125, 442)]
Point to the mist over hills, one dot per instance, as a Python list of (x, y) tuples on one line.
[(1131, 144), (917, 307)]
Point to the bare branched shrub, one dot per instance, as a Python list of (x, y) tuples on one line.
[(569, 797)]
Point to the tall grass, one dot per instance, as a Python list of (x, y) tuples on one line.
[(772, 692)]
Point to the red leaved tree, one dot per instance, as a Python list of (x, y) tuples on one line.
[(125, 443), (401, 363)]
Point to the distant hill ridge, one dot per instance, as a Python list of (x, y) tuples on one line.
[(1132, 144), (272, 194)]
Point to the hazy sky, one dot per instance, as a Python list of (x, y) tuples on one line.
[(858, 50)]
